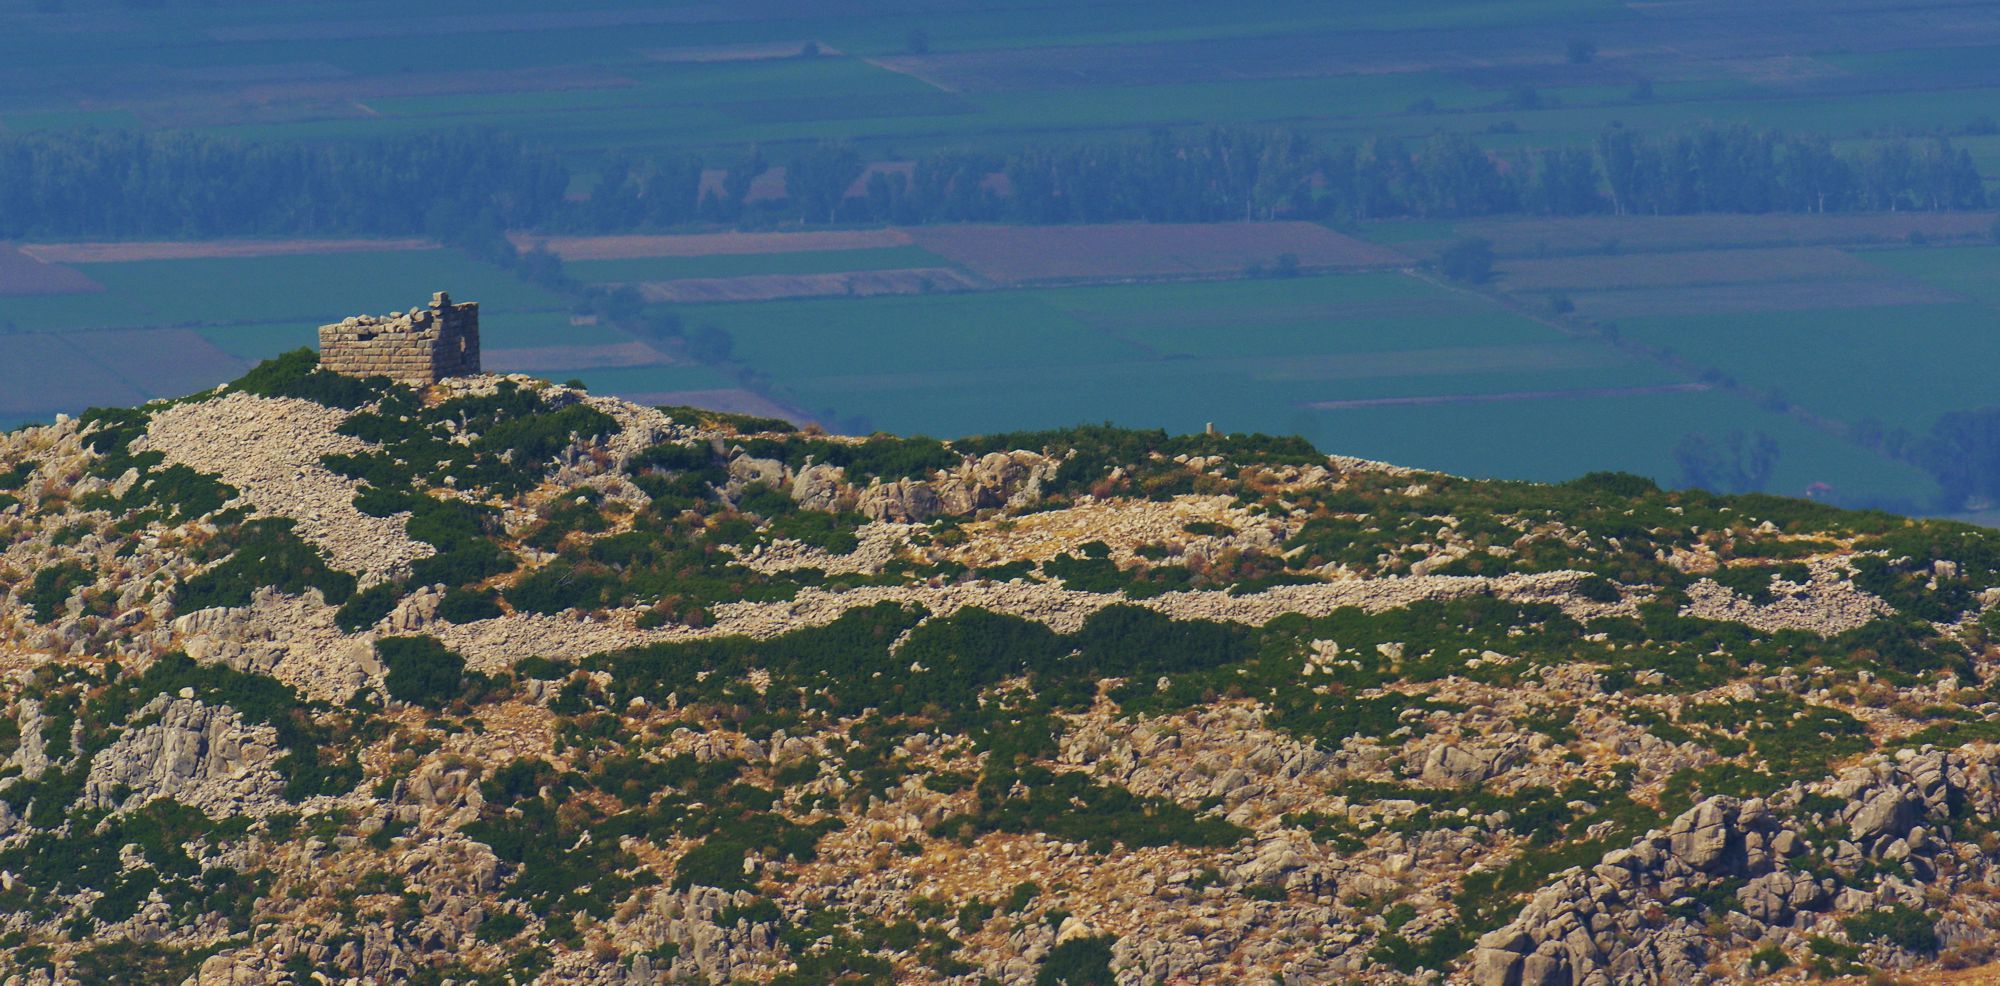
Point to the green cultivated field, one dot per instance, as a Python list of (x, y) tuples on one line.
[(1814, 323), (621, 75), (1866, 362), (747, 264)]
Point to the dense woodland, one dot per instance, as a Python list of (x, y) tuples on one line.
[(181, 184)]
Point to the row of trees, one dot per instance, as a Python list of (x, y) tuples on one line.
[(1238, 174), (121, 183), (132, 184)]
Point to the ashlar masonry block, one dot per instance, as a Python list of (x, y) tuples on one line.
[(418, 347)]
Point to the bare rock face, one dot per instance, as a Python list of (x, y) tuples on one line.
[(32, 755), (1455, 766), (200, 755), (293, 639), (417, 611), (905, 501), (1614, 923), (819, 488), (995, 479)]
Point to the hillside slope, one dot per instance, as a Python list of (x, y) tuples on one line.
[(314, 679)]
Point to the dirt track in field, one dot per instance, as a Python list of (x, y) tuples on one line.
[(772, 287), (1024, 254), (708, 244), (108, 253)]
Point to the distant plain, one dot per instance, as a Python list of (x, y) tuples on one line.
[(1601, 342)]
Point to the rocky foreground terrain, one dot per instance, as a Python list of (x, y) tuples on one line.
[(311, 679)]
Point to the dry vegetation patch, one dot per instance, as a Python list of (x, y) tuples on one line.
[(1692, 268), (707, 244), (25, 273), (770, 287), (109, 253), (1042, 253)]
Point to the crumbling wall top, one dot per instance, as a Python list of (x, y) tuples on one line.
[(418, 347)]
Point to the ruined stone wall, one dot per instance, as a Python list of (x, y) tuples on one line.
[(418, 347)]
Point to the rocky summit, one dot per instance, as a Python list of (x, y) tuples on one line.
[(316, 679)]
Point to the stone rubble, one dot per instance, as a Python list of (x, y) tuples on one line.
[(269, 449), (1828, 604)]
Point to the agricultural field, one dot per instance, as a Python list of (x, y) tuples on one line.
[(1387, 365), (1861, 325), (1678, 329), (1653, 328), (894, 80), (1029, 254)]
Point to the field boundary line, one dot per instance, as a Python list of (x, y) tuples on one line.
[(1508, 395), (141, 250)]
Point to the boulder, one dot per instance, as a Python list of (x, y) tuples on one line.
[(905, 501), (1705, 838), (1454, 766), (1493, 967), (1889, 813), (819, 487)]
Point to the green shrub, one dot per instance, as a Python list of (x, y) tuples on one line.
[(1598, 589), (468, 606), (742, 424), (458, 531), (178, 493), (1754, 581), (1078, 962), (422, 671), (367, 607), (266, 553), (885, 456), (715, 863), (297, 374), (1074, 808), (15, 476), (831, 532), (1127, 640), (558, 587), (53, 586), (132, 964), (378, 502), (1769, 959), (1900, 926), (1621, 485), (499, 926), (542, 669)]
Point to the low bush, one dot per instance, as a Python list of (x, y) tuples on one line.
[(265, 553), (1900, 926), (297, 374), (52, 588), (468, 606), (1078, 962), (422, 671), (366, 608)]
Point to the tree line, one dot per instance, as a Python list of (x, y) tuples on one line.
[(117, 183)]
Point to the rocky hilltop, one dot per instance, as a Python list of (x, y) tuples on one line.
[(311, 679)]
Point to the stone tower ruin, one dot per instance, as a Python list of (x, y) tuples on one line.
[(418, 347)]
